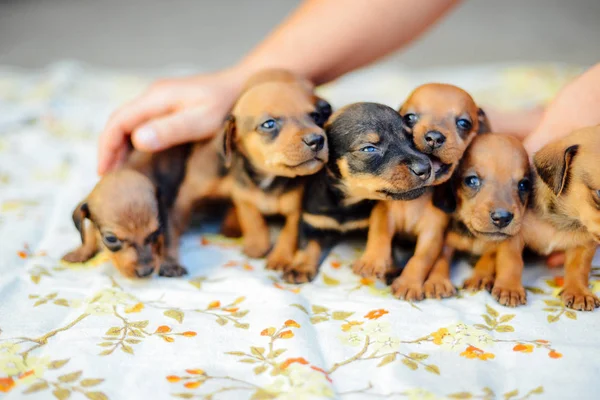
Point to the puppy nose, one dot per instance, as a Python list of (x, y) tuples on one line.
[(501, 218), (421, 169), (144, 271), (434, 139), (314, 141)]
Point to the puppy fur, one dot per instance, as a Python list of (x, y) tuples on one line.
[(443, 119), (566, 210), (127, 214), (370, 158), (487, 198)]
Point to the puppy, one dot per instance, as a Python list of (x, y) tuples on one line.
[(127, 214), (566, 210), (487, 198), (270, 141), (442, 119), (370, 158)]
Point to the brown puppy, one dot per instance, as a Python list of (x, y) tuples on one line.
[(443, 120), (127, 214), (487, 197), (566, 212), (272, 138)]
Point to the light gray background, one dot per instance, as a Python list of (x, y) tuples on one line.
[(214, 33)]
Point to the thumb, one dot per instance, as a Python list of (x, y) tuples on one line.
[(183, 126)]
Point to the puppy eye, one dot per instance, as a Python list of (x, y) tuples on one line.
[(410, 120), (524, 185), (269, 125), (368, 149), (464, 124), (472, 181), (112, 242), (153, 237)]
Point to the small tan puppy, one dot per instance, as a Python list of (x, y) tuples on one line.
[(566, 213)]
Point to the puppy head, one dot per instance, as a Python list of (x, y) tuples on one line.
[(443, 119), (490, 188), (277, 124), (372, 155), (570, 170), (125, 210)]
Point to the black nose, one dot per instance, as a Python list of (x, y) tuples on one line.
[(501, 218), (421, 169), (435, 139), (314, 141), (144, 270)]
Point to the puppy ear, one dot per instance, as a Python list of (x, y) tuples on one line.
[(552, 164), (484, 122), (80, 213), (322, 111), (228, 139), (444, 197)]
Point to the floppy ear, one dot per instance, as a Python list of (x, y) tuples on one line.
[(227, 140), (484, 122), (444, 197), (552, 165), (80, 213), (322, 111)]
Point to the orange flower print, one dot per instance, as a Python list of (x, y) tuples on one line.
[(554, 354), (291, 361), (215, 304), (189, 334), (336, 264), (193, 385), (559, 281), (195, 371), (366, 281), (134, 309), (523, 348), (346, 327), (6, 384), (286, 335), (540, 341), (376, 314), (163, 329), (473, 352), (292, 323), (439, 335), (173, 378), (321, 371), (232, 309), (268, 332)]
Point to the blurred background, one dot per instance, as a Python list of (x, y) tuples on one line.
[(210, 34)]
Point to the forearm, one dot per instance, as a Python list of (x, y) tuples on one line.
[(323, 39)]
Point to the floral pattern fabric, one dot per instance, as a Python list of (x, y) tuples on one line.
[(231, 329)]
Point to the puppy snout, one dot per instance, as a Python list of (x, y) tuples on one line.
[(144, 271), (314, 141), (434, 139), (421, 169), (501, 218)]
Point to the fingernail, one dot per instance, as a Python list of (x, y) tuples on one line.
[(147, 137)]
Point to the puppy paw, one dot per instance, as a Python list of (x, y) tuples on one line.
[(509, 295), (479, 282), (77, 256), (300, 273), (581, 299), (437, 287), (256, 248), (171, 269), (409, 290), (372, 267), (279, 260)]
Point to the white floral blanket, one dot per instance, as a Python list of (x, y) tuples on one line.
[(231, 330)]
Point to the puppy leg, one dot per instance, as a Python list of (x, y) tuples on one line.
[(169, 265), (508, 289), (305, 266), (576, 293), (438, 284), (254, 229), (88, 249), (377, 258), (483, 275), (282, 254), (231, 224)]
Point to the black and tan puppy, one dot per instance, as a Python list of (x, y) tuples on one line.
[(370, 158), (566, 210), (127, 214), (487, 198), (270, 142), (443, 119)]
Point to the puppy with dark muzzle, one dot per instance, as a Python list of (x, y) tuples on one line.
[(442, 119), (566, 210), (127, 214), (370, 158), (272, 139), (487, 198)]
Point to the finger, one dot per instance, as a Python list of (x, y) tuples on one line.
[(187, 125), (124, 121)]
